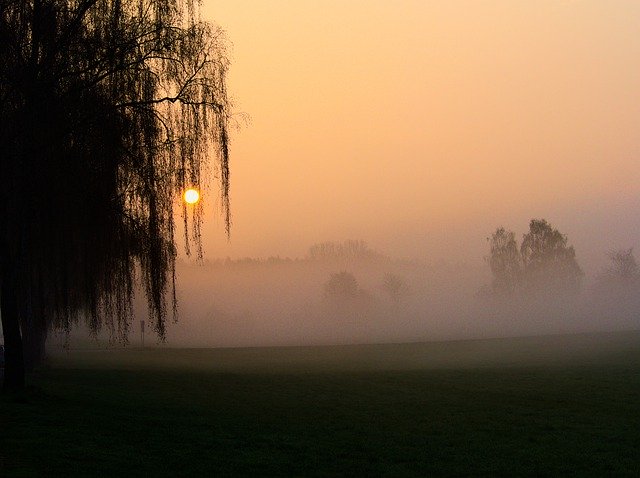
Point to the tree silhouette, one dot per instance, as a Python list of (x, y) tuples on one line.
[(616, 290), (395, 287), (108, 111), (504, 261), (548, 262), (341, 287), (622, 273), (543, 263)]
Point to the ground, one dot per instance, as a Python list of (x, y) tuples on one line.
[(563, 405)]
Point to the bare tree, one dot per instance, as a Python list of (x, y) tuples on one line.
[(108, 110)]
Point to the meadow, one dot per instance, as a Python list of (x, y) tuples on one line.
[(538, 406)]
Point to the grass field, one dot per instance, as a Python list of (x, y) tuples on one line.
[(562, 405)]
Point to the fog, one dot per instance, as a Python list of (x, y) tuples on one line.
[(282, 301), (419, 127)]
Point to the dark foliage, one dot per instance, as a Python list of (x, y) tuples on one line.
[(108, 110)]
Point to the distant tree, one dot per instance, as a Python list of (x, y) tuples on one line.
[(108, 110), (548, 263), (341, 287), (505, 262), (395, 287), (623, 271), (616, 291)]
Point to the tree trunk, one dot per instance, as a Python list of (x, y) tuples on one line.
[(13, 354), (34, 340)]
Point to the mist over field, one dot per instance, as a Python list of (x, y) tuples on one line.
[(284, 301), (419, 127)]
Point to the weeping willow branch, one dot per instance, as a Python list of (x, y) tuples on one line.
[(110, 109)]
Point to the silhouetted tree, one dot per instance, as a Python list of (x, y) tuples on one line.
[(548, 263), (505, 262), (616, 291), (108, 110), (341, 287), (395, 287)]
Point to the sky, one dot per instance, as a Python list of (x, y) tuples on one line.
[(420, 126)]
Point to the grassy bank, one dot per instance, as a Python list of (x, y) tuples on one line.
[(537, 406)]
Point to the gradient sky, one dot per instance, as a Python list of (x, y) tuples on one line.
[(420, 126)]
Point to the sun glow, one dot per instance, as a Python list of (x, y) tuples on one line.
[(191, 196)]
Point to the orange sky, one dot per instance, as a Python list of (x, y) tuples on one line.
[(419, 126)]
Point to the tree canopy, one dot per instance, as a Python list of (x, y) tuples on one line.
[(543, 262), (109, 109), (548, 261)]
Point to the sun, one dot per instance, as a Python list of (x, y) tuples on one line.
[(191, 196)]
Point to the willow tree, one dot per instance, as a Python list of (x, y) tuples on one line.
[(109, 109)]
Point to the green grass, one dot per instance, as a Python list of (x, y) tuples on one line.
[(512, 407)]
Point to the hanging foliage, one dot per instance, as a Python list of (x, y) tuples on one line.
[(109, 109)]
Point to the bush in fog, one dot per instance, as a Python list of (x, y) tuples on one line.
[(341, 286), (395, 287)]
